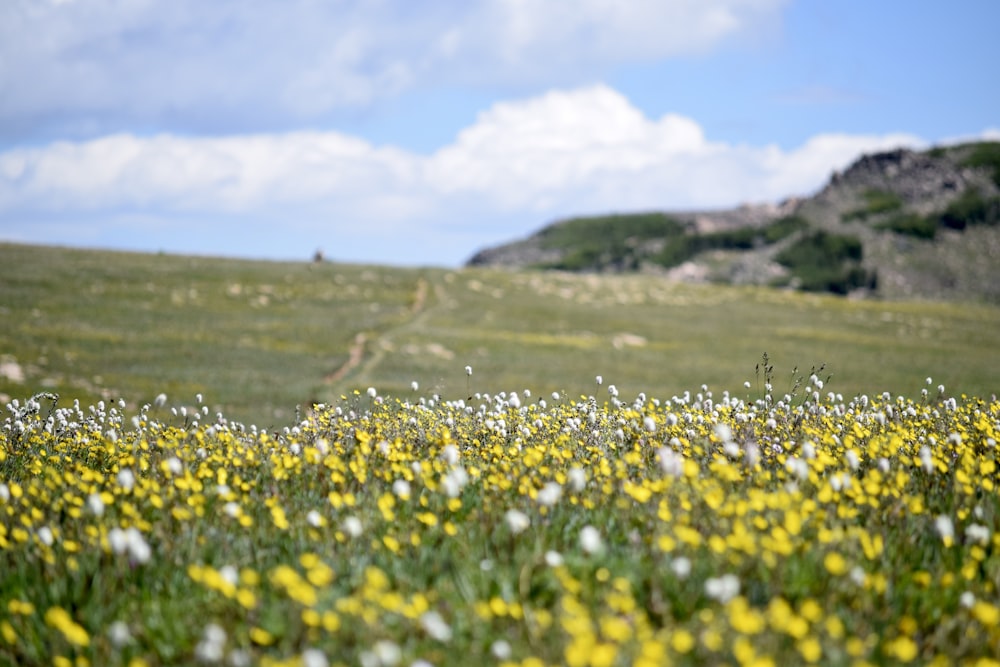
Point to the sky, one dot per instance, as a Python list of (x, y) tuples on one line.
[(414, 134)]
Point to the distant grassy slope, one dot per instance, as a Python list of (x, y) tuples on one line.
[(254, 337), (258, 338)]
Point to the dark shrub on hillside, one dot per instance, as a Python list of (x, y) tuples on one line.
[(911, 224), (824, 262), (821, 249), (972, 208), (682, 248), (606, 241), (782, 228), (876, 203)]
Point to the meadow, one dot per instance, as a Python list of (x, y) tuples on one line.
[(207, 461), (257, 339)]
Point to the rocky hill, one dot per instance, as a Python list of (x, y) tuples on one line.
[(900, 224)]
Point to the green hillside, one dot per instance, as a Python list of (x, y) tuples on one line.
[(259, 338)]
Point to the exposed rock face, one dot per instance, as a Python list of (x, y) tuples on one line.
[(869, 201), (920, 179)]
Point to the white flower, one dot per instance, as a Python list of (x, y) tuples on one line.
[(229, 573), (670, 462), (117, 540), (926, 460), (450, 454), (401, 488), (731, 449), (232, 508), (387, 652), (45, 536), (681, 567), (577, 478), (514, 400), (414, 385), (119, 634), (468, 370), (858, 575), (977, 533), (160, 400), (852, 459), (174, 465), (649, 424), (313, 657), (126, 478), (553, 558), (315, 519), (4, 492), (967, 599), (352, 526), (599, 379), (137, 546), (454, 482), (501, 649), (212, 645), (723, 432), (723, 588), (435, 626), (549, 494), (945, 528), (590, 540), (372, 393), (517, 521)]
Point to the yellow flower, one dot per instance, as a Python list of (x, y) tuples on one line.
[(261, 637), (986, 613), (75, 634), (903, 649), (682, 641), (835, 564)]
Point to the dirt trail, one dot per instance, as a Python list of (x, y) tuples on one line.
[(354, 357), (356, 353)]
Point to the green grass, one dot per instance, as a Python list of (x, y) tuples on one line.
[(93, 325)]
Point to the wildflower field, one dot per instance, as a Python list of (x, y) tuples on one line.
[(507, 529), (221, 462)]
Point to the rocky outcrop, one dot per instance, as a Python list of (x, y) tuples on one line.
[(906, 207)]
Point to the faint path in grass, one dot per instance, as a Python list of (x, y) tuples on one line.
[(356, 353), (354, 357)]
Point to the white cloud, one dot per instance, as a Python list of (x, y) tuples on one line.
[(77, 66), (522, 163)]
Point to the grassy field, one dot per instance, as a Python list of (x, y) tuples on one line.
[(257, 339), (512, 509)]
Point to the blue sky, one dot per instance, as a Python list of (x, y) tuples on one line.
[(407, 133)]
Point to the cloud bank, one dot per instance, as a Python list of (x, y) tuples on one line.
[(521, 164), (85, 68)]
